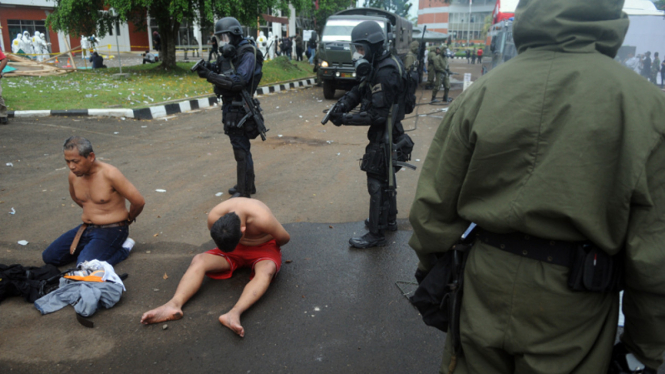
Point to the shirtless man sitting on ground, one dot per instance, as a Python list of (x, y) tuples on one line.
[(247, 234), (101, 190)]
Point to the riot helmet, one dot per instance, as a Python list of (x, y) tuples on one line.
[(367, 41), (369, 36), (229, 30)]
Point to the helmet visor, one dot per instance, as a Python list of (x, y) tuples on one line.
[(224, 37), (359, 50)]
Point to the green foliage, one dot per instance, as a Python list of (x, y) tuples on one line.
[(85, 17), (399, 7), (326, 9), (660, 4)]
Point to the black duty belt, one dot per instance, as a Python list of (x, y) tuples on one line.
[(524, 245)]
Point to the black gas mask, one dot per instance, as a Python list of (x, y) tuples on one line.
[(228, 51), (362, 62)]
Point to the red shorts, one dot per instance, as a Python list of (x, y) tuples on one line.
[(245, 256)]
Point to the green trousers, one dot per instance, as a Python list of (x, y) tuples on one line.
[(518, 316), (431, 74)]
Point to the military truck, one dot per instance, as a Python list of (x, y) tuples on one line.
[(502, 45), (335, 68)]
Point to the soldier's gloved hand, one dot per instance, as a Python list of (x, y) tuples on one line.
[(420, 275), (340, 108), (337, 118), (203, 72)]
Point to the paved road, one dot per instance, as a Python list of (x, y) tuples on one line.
[(331, 310)]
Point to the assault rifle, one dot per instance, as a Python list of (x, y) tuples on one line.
[(253, 111), (421, 55)]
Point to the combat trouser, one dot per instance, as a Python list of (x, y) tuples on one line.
[(431, 74), (519, 316), (244, 164), (437, 84)]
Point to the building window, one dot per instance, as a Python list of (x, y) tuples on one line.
[(15, 26)]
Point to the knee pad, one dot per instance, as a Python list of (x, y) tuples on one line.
[(239, 155), (373, 186)]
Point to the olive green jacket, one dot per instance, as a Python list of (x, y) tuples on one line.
[(412, 55), (546, 145), (440, 63)]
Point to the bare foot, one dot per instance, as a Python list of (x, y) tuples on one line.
[(166, 312), (232, 321)]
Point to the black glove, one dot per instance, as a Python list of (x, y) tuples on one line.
[(420, 275), (337, 118), (203, 72)]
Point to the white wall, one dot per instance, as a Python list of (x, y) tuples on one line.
[(646, 33)]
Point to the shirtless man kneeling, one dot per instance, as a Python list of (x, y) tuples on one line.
[(101, 190), (247, 234)]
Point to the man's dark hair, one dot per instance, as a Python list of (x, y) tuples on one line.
[(226, 232), (79, 143)]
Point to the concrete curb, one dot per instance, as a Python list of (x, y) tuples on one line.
[(159, 110)]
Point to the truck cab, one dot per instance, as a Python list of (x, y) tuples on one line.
[(334, 55)]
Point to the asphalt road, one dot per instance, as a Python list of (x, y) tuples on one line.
[(332, 309)]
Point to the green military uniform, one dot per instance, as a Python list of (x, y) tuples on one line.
[(440, 64), (655, 68), (412, 55), (529, 149), (431, 74), (446, 74)]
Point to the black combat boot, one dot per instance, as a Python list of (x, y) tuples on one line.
[(445, 95), (368, 240), (434, 100), (375, 237), (3, 121)]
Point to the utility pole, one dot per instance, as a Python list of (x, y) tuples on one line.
[(468, 33)]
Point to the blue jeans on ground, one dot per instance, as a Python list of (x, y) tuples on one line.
[(103, 244), (311, 55)]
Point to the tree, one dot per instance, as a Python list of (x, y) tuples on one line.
[(326, 9), (85, 17), (660, 4), (399, 7)]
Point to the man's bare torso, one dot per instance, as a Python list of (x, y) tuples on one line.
[(94, 192)]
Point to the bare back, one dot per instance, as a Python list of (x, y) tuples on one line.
[(260, 224)]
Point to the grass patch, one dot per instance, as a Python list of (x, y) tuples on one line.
[(146, 85)]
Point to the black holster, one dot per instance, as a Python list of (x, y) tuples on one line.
[(374, 159), (231, 119), (593, 270)]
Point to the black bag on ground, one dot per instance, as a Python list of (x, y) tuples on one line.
[(31, 282)]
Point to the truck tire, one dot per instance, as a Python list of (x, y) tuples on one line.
[(328, 90)]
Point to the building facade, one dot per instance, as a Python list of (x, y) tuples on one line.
[(17, 16), (463, 20)]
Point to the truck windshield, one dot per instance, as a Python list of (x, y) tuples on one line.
[(338, 30)]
